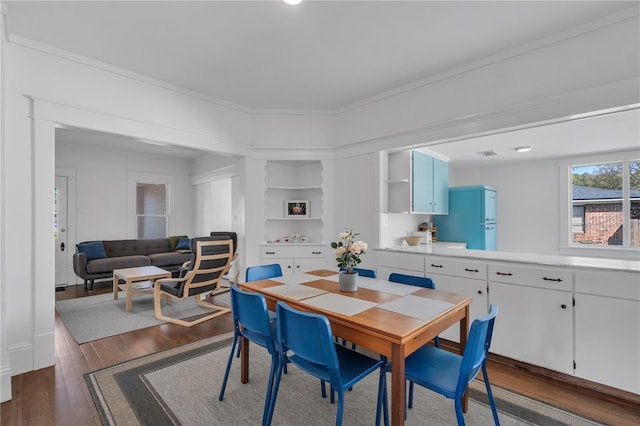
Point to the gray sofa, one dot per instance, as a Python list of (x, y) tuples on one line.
[(120, 254)]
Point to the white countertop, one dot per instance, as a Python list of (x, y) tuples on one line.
[(441, 248)]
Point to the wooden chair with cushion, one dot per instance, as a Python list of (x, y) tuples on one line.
[(210, 260)]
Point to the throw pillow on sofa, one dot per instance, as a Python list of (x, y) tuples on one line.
[(184, 245), (93, 250), (174, 241)]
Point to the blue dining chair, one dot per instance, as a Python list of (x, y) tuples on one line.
[(419, 282), (251, 320), (369, 273), (262, 272), (449, 374), (306, 341)]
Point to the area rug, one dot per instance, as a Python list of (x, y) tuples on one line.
[(180, 387), (96, 317)]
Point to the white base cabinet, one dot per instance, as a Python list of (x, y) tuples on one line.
[(607, 322), (295, 258), (535, 314)]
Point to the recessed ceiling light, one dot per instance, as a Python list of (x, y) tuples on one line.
[(524, 148), (293, 2)]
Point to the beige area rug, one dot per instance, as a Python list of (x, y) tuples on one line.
[(96, 317), (180, 387)]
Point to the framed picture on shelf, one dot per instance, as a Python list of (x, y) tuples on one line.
[(296, 208)]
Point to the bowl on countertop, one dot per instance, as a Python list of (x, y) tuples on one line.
[(413, 241)]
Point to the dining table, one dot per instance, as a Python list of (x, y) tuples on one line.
[(387, 318)]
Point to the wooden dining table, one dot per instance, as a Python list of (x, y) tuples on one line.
[(387, 318)]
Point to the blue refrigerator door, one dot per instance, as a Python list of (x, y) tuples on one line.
[(471, 218)]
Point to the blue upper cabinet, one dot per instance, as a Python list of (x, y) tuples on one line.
[(429, 184), (416, 183)]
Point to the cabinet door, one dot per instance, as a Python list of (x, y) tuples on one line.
[(608, 341), (440, 186), (533, 325), (421, 182), (285, 264), (308, 264), (477, 289)]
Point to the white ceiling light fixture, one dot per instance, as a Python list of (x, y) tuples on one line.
[(524, 148), (293, 2)]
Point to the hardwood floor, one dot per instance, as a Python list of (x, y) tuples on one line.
[(58, 395)]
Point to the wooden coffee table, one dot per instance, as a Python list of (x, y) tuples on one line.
[(137, 281)]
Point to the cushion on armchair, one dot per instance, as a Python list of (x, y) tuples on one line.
[(93, 250)]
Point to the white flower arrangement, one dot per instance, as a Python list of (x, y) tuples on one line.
[(348, 251)]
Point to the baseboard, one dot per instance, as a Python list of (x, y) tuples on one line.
[(5, 383), (20, 358)]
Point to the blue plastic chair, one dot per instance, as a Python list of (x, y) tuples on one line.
[(369, 273), (449, 374), (420, 282), (308, 338), (262, 272), (251, 320)]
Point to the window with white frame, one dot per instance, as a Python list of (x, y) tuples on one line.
[(605, 204), (152, 212)]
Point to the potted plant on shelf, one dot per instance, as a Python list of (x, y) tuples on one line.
[(348, 253)]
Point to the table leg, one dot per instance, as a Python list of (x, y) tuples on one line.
[(115, 287), (128, 291), (464, 332), (397, 385), (244, 360)]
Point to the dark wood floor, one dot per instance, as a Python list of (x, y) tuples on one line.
[(58, 395)]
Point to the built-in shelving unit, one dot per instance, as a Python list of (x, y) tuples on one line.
[(293, 180)]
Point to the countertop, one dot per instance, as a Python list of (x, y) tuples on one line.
[(447, 249)]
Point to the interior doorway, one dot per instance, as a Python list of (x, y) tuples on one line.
[(60, 230)]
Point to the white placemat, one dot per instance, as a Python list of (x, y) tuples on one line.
[(388, 286), (296, 292), (417, 307), (296, 279), (341, 304)]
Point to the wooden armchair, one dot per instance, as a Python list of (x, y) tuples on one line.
[(210, 260)]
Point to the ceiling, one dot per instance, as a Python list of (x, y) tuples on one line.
[(322, 56), (318, 55)]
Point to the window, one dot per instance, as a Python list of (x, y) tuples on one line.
[(151, 210), (605, 200)]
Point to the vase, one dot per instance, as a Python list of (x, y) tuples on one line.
[(348, 281)]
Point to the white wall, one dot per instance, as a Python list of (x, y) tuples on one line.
[(560, 76), (528, 203), (103, 211), (356, 202)]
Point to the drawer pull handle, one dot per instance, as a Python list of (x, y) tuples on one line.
[(479, 291), (506, 274), (298, 266), (269, 252), (552, 279), (436, 266), (471, 270), (289, 266), (563, 306), (316, 252)]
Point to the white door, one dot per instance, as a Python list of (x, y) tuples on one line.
[(60, 230)]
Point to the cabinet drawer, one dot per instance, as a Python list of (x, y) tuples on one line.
[(618, 284), (293, 251), (393, 260), (535, 276), (455, 267)]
